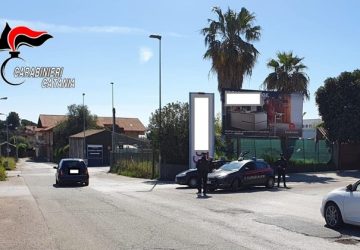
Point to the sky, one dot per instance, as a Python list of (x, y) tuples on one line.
[(99, 42)]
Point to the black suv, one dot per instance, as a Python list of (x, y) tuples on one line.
[(71, 171)]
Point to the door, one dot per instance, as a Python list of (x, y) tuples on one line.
[(261, 168), (352, 204), (249, 173)]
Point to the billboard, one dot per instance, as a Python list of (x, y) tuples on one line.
[(201, 126), (254, 113)]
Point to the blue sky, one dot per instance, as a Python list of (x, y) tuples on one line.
[(98, 42)]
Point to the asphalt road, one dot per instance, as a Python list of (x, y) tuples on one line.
[(116, 212)]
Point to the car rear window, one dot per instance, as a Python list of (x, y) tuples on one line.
[(73, 164)]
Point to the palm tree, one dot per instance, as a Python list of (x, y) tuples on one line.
[(228, 45), (288, 75)]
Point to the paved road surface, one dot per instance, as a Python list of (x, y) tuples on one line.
[(116, 212)]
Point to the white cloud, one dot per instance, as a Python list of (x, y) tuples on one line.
[(145, 54), (73, 29)]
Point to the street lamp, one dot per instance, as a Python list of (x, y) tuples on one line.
[(113, 118), (3, 98), (159, 38), (84, 141)]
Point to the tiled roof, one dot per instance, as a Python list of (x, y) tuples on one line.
[(50, 121), (88, 132), (128, 124)]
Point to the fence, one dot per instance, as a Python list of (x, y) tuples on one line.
[(135, 162), (307, 151)]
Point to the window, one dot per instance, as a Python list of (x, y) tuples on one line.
[(260, 165), (250, 166)]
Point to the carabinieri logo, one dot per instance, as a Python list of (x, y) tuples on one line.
[(12, 38)]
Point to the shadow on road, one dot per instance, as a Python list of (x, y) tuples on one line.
[(348, 230), (68, 186), (355, 174), (249, 190), (203, 196), (309, 178)]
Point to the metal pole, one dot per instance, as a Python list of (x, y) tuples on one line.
[(113, 122), (7, 139), (84, 140), (160, 131)]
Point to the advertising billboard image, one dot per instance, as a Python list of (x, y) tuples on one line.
[(251, 113), (201, 126)]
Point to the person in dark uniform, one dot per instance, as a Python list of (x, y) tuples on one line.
[(202, 166), (281, 169)]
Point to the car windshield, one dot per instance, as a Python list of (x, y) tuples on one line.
[(235, 165)]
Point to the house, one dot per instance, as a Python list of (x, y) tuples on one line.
[(309, 128), (97, 146), (98, 143), (44, 136), (44, 132)]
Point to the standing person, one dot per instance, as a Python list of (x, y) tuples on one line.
[(281, 169), (202, 166)]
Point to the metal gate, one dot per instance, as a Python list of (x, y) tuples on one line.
[(95, 155)]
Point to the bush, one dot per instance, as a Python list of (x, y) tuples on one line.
[(61, 153), (8, 163), (138, 169), (22, 147), (2, 173)]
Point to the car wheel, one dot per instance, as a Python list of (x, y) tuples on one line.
[(192, 182), (235, 185), (86, 183), (333, 216), (270, 182)]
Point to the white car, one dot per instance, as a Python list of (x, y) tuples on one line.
[(342, 205)]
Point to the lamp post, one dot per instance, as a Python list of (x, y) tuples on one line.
[(159, 38), (113, 119), (84, 141)]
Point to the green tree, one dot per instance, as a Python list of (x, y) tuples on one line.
[(288, 75), (175, 132), (220, 147), (25, 122), (339, 106), (228, 46), (13, 120), (72, 125)]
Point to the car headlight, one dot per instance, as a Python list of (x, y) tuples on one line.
[(222, 176)]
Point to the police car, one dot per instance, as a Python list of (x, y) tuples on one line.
[(236, 174), (189, 177)]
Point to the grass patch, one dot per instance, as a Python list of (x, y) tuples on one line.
[(138, 169), (2, 173), (8, 163)]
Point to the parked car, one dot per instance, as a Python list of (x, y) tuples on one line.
[(342, 205), (189, 177), (236, 174), (71, 171)]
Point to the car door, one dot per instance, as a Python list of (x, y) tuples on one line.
[(249, 173), (260, 173), (352, 204)]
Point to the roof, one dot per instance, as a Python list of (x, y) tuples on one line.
[(128, 124), (50, 121), (88, 132)]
